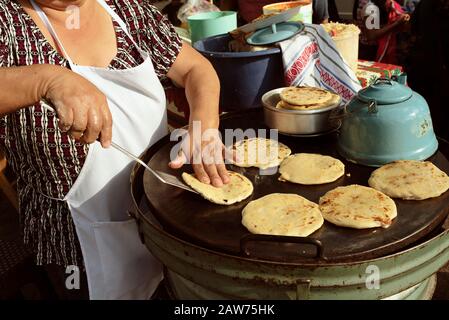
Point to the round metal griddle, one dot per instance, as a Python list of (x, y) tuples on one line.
[(194, 219)]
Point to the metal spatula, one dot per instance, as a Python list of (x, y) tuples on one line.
[(161, 176)]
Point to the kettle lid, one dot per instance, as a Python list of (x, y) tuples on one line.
[(385, 91)]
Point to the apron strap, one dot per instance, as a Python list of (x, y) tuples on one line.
[(105, 6), (50, 29), (119, 20)]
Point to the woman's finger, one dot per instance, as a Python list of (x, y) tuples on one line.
[(65, 118), (76, 134), (219, 162), (212, 157), (106, 130), (80, 117), (212, 172), (201, 173), (94, 125), (223, 172), (179, 161)]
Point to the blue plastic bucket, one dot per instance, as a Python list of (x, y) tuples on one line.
[(244, 76)]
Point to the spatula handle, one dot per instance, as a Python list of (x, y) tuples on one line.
[(117, 147), (129, 154)]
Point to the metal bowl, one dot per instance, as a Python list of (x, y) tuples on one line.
[(299, 122)]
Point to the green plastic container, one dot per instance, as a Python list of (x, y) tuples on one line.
[(208, 24)]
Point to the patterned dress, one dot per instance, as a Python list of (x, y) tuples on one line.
[(46, 160)]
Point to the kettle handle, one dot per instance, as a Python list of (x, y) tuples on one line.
[(384, 80), (342, 112), (372, 107)]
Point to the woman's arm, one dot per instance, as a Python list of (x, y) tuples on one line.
[(195, 73), (375, 34), (81, 108), (21, 87), (192, 71)]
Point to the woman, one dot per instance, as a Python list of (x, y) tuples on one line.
[(98, 65), (380, 43)]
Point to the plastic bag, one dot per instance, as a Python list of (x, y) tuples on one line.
[(192, 7)]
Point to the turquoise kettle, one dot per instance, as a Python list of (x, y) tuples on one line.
[(386, 121)]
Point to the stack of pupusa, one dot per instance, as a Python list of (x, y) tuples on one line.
[(306, 98)]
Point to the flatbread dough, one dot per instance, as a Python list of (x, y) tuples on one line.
[(309, 168), (335, 99), (358, 207), (282, 214), (238, 189), (410, 180), (259, 152), (304, 96)]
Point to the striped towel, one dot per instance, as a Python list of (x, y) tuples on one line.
[(311, 59)]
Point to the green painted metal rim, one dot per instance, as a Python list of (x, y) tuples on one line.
[(228, 279), (268, 262)]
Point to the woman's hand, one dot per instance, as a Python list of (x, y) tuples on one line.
[(204, 149), (404, 18), (82, 109), (403, 23)]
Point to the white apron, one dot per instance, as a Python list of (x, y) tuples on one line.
[(118, 265)]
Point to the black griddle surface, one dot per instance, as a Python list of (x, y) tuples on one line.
[(194, 219)]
